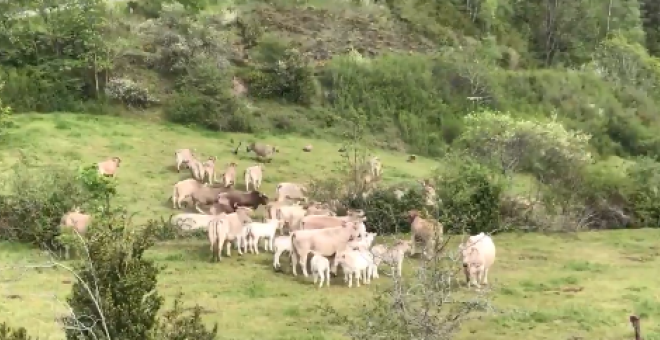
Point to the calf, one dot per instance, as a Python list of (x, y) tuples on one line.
[(478, 254), (108, 168), (320, 268), (356, 264), (392, 256), (257, 230), (282, 244), (253, 175)]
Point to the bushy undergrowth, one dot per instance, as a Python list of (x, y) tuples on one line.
[(37, 199)]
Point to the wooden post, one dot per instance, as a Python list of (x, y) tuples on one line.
[(634, 320)]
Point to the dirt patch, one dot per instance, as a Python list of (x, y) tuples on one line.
[(321, 33)]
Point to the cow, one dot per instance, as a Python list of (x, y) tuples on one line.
[(262, 151), (76, 221), (426, 230), (252, 199), (184, 189), (182, 157), (208, 171), (206, 196), (108, 168), (253, 175), (326, 242), (375, 168), (291, 191), (229, 177), (478, 255)]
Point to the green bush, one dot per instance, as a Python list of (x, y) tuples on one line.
[(386, 214), (470, 196), (203, 98), (644, 194), (116, 297), (285, 75), (38, 199), (7, 333)]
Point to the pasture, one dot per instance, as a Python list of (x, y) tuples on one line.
[(578, 286)]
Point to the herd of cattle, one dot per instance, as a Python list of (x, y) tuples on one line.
[(304, 228)]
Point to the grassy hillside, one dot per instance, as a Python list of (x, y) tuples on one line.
[(544, 288), (147, 171)]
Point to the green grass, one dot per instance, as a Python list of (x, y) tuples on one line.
[(147, 172), (544, 287)]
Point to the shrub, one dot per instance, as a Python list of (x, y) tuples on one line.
[(7, 333), (129, 93), (470, 196), (644, 194), (38, 199), (287, 76), (203, 97), (176, 41), (115, 296), (386, 214), (545, 149)]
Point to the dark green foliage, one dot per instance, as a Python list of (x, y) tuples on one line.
[(283, 73), (38, 199), (644, 193), (470, 196), (115, 296), (175, 325), (203, 97), (385, 213), (7, 333)]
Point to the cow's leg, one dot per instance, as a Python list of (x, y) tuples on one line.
[(303, 263), (485, 276), (294, 261)]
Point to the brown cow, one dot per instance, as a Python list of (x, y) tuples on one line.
[(206, 196), (109, 167), (183, 189), (251, 199), (426, 230)]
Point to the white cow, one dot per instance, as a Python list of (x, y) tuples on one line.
[(478, 254)]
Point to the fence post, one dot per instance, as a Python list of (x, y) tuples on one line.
[(634, 320)]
